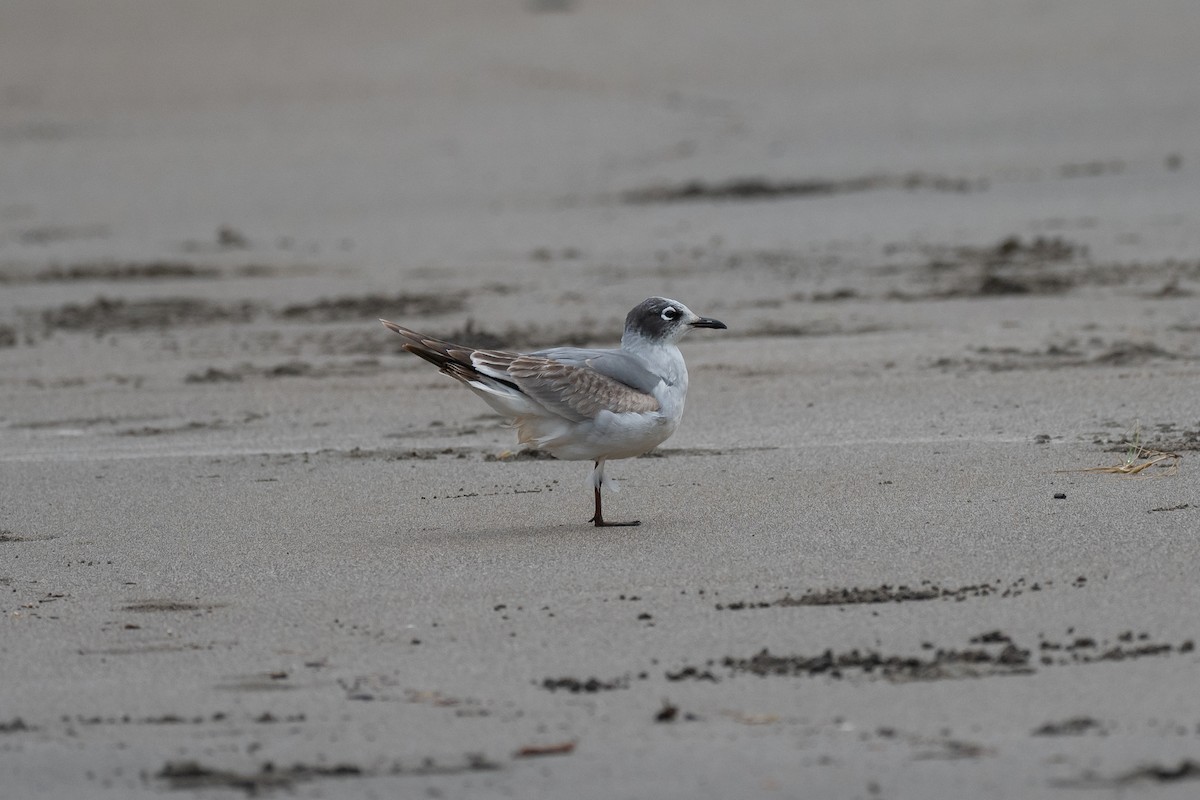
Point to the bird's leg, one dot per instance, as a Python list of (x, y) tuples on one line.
[(598, 517)]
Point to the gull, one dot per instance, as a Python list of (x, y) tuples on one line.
[(582, 404)]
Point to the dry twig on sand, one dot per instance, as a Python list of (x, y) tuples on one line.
[(1139, 458), (1143, 458)]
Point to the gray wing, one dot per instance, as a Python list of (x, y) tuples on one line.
[(575, 391), (616, 364), (575, 356)]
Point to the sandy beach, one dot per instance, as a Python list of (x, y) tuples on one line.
[(249, 546)]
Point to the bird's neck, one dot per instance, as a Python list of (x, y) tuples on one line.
[(663, 358)]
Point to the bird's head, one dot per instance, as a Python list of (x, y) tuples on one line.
[(662, 320)]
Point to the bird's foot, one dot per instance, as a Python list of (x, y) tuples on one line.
[(603, 523)]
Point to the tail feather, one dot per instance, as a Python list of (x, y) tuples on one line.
[(453, 359), (457, 361)]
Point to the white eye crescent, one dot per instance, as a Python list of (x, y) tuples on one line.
[(669, 313)]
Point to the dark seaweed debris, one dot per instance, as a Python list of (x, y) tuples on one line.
[(758, 188), (192, 775), (1074, 726), (585, 686), (104, 315), (991, 653), (948, 663), (887, 593), (373, 306)]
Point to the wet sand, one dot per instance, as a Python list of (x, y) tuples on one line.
[(249, 545)]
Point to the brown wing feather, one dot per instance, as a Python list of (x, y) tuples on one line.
[(573, 391)]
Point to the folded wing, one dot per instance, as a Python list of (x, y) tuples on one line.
[(576, 386)]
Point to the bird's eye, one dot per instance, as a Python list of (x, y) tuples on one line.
[(669, 313)]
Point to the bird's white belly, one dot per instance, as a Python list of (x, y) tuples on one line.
[(612, 436)]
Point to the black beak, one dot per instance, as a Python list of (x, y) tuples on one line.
[(709, 322)]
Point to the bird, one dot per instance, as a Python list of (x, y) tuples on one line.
[(583, 404)]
